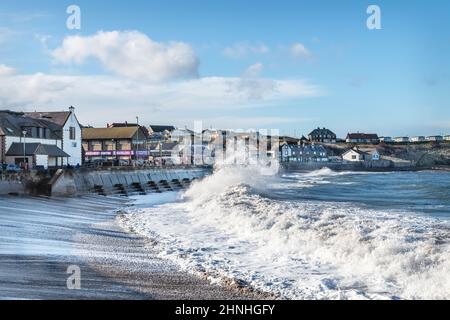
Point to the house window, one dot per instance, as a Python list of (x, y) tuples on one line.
[(353, 157), (72, 133)]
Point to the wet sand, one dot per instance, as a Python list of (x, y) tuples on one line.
[(41, 237)]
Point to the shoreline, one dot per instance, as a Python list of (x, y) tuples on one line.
[(40, 237)]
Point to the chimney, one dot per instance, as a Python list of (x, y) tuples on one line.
[(72, 109)]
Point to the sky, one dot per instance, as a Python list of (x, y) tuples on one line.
[(287, 65)]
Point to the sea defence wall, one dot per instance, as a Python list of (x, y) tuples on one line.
[(381, 165), (11, 186), (124, 182)]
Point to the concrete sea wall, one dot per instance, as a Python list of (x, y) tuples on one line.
[(382, 165), (124, 182), (11, 186)]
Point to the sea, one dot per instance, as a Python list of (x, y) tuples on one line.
[(307, 235)]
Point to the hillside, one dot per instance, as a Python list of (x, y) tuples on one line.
[(422, 155)]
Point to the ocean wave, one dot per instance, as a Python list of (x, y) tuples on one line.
[(225, 228)]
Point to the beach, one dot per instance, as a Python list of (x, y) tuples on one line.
[(41, 237)]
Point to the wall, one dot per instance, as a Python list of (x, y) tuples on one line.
[(42, 160), (73, 151), (10, 183), (75, 182), (345, 166)]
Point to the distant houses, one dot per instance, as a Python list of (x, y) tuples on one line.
[(447, 138), (417, 139), (303, 153), (322, 135), (370, 138), (435, 138), (401, 139), (386, 139)]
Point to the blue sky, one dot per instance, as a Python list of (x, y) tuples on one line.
[(292, 65)]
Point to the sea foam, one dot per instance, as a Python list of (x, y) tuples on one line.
[(224, 227)]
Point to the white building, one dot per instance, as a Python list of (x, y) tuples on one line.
[(386, 139), (418, 139), (447, 138), (69, 131), (306, 153), (36, 132), (401, 139), (359, 155), (435, 138), (353, 155)]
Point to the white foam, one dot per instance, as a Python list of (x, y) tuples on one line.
[(305, 250)]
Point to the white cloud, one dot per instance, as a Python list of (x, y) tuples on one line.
[(102, 99), (243, 49), (131, 54), (6, 71), (253, 71), (298, 50)]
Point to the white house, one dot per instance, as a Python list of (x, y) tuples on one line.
[(353, 155), (447, 138), (435, 138), (386, 139), (68, 129), (418, 139), (24, 139), (401, 139)]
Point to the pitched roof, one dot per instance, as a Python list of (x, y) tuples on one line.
[(59, 118), (159, 129), (369, 136), (322, 131), (12, 124), (32, 149), (109, 133)]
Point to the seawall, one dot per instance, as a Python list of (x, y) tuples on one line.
[(11, 186), (123, 182), (381, 165)]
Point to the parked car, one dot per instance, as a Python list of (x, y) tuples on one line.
[(123, 162), (13, 168)]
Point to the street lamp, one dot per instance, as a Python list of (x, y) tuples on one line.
[(24, 148), (137, 137)]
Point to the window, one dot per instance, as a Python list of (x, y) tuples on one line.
[(353, 157), (72, 133)]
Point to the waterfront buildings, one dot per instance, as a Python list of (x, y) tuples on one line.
[(115, 143), (304, 153), (359, 155), (46, 139), (160, 133), (68, 130)]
